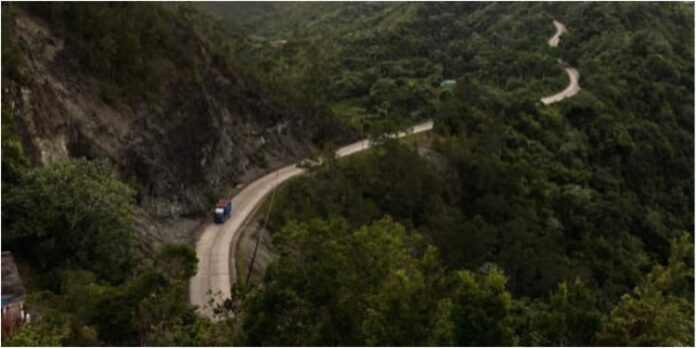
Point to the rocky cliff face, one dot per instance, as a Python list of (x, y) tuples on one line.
[(195, 137), (196, 141)]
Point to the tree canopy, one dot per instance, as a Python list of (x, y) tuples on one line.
[(74, 214)]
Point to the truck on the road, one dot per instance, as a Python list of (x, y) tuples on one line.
[(222, 212)]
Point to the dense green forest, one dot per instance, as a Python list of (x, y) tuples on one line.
[(577, 201), (71, 225), (380, 64), (514, 223)]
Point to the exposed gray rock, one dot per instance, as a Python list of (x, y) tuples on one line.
[(196, 141)]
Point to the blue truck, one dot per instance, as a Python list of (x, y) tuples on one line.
[(222, 212)]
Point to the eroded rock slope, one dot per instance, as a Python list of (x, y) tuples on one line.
[(196, 141)]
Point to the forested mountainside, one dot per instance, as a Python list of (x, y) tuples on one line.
[(243, 18), (121, 124), (586, 193), (513, 223), (381, 64), (151, 88)]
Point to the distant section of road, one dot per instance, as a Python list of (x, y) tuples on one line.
[(556, 38), (572, 89), (573, 75), (215, 247)]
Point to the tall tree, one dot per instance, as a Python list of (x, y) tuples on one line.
[(74, 214), (570, 317), (481, 309), (659, 311), (334, 286)]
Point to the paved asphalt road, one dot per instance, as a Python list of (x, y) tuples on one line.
[(217, 244)]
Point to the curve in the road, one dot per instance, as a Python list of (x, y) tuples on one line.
[(556, 38), (572, 89), (217, 244), (573, 75), (216, 267)]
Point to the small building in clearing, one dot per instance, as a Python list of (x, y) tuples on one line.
[(13, 315), (448, 83)]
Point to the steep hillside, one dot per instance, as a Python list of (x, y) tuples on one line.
[(380, 64), (269, 18), (514, 222), (624, 140), (594, 189), (145, 87)]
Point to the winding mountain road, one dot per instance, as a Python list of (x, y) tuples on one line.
[(572, 89), (556, 38), (573, 74), (216, 246)]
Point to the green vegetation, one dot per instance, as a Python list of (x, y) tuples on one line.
[(73, 222), (514, 224), (384, 285), (375, 62), (11, 57), (149, 309), (391, 180), (142, 53), (14, 161), (574, 202), (360, 280), (91, 286), (75, 214), (132, 49), (658, 312)]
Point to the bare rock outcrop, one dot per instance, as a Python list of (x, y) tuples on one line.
[(196, 141)]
